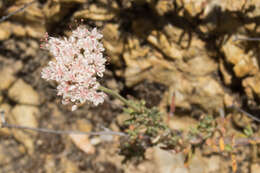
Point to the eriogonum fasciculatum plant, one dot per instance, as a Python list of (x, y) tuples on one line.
[(78, 62)]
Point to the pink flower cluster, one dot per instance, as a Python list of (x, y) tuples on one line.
[(78, 62)]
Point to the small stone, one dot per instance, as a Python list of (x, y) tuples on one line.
[(6, 78), (252, 86), (23, 93), (193, 7), (18, 30), (255, 168), (163, 7), (197, 164), (5, 31), (83, 143), (35, 31), (83, 125), (113, 43), (244, 67), (174, 34), (228, 100), (226, 75), (113, 84), (240, 120), (70, 167), (24, 115), (213, 163), (201, 66), (10, 151), (244, 63), (168, 162), (95, 141), (52, 11), (182, 123), (121, 118), (161, 41), (16, 66), (209, 94), (95, 13)]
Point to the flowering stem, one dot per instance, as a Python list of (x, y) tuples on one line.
[(118, 96), (4, 124)]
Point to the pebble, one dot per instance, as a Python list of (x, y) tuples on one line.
[(23, 93), (25, 115)]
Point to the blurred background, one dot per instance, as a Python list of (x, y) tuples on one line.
[(156, 49)]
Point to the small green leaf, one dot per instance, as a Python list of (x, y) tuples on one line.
[(248, 131), (228, 147)]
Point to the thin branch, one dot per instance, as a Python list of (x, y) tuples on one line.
[(246, 113), (245, 39), (17, 11), (58, 132), (237, 142)]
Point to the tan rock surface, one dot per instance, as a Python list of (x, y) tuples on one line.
[(5, 30), (225, 73), (244, 64), (83, 125), (252, 86), (35, 31), (23, 93), (206, 89), (255, 168), (113, 42), (8, 71), (167, 162), (160, 41), (18, 30), (31, 14), (9, 150), (25, 116), (163, 7), (95, 12), (6, 78)]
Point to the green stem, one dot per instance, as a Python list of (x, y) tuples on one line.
[(118, 96)]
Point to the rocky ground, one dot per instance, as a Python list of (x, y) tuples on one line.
[(156, 49)]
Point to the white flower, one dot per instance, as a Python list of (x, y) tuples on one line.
[(78, 60)]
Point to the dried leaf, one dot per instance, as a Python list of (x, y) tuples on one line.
[(221, 144), (234, 163)]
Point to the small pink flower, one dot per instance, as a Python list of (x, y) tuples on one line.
[(78, 61)]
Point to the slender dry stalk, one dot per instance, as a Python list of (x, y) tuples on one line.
[(17, 11), (4, 124)]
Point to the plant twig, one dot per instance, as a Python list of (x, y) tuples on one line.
[(246, 113), (245, 39), (17, 11), (4, 124)]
